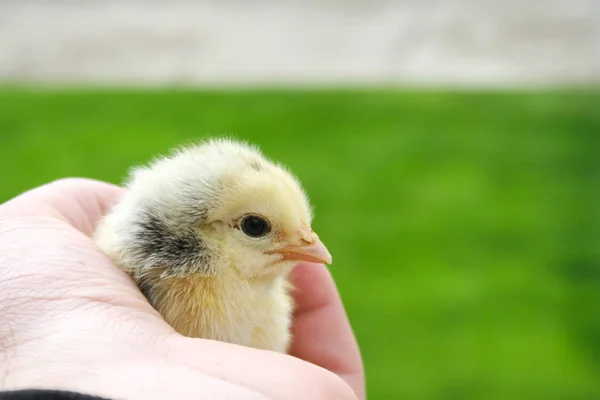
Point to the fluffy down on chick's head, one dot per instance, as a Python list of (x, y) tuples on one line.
[(210, 234)]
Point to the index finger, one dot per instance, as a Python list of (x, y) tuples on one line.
[(321, 330), (80, 202)]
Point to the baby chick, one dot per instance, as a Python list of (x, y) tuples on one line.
[(210, 235)]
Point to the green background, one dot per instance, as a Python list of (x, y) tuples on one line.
[(464, 226)]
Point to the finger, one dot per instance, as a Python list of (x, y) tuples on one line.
[(50, 255), (43, 221), (80, 202), (321, 330)]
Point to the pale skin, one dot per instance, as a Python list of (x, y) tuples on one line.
[(70, 319)]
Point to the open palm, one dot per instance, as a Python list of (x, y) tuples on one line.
[(70, 319)]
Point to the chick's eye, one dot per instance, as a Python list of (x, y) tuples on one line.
[(255, 226)]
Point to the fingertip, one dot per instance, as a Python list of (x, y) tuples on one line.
[(322, 333)]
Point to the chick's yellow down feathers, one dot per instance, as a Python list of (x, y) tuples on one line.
[(210, 234)]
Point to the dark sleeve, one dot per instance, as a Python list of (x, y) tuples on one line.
[(31, 394)]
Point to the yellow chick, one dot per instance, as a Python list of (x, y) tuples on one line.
[(210, 234)]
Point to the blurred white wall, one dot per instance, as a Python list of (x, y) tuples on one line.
[(477, 42)]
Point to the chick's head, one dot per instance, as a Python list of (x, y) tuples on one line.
[(219, 207), (262, 221)]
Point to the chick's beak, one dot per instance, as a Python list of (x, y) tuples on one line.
[(313, 250)]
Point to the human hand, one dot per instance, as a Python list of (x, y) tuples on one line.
[(70, 319)]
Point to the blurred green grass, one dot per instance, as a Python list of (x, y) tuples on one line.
[(465, 227)]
